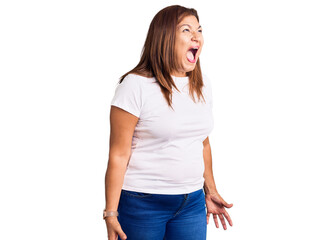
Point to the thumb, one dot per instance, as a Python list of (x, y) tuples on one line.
[(121, 234), (219, 200), (227, 205)]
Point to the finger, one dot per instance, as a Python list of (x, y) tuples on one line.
[(220, 201), (208, 215), (215, 220), (227, 205), (121, 233), (222, 221), (228, 218), (113, 236)]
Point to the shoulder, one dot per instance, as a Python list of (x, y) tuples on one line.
[(136, 85), (135, 79), (131, 82)]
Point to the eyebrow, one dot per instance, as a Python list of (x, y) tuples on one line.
[(189, 25)]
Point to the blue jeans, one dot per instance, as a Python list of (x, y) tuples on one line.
[(146, 216)]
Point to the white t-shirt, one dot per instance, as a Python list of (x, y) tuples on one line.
[(167, 145)]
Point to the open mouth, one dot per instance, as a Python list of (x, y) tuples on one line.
[(191, 54)]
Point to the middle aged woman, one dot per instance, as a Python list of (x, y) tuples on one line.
[(159, 179)]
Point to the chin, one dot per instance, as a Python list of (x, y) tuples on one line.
[(191, 68)]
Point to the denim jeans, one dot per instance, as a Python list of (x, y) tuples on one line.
[(146, 216)]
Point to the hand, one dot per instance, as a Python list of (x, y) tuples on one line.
[(215, 204), (114, 229)]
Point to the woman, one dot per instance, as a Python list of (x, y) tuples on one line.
[(160, 155)]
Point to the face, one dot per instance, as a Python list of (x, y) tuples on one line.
[(188, 35)]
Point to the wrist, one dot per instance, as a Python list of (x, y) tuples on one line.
[(209, 191), (110, 214)]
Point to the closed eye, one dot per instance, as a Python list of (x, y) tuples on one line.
[(189, 31)]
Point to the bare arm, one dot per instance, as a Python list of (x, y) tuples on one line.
[(215, 204), (122, 128), (209, 181)]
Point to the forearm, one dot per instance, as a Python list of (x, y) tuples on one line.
[(209, 181), (114, 179)]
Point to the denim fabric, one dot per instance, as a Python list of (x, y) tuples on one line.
[(146, 216)]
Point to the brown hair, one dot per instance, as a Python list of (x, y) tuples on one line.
[(158, 56)]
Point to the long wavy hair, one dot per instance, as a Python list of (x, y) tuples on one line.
[(158, 57)]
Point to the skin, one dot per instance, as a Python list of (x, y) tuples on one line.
[(186, 37), (215, 204), (122, 125)]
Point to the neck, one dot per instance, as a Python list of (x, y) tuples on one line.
[(179, 74)]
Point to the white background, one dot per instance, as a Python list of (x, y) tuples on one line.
[(272, 67)]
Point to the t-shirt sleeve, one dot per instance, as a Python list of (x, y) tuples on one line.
[(127, 95)]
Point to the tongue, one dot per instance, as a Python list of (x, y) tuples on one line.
[(190, 56)]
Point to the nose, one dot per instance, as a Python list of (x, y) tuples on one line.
[(195, 36)]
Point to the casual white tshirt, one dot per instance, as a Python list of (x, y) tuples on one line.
[(167, 145)]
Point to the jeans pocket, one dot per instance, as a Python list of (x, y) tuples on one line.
[(135, 194)]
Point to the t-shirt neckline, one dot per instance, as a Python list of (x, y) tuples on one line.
[(181, 80)]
